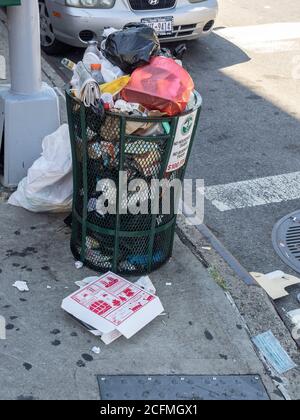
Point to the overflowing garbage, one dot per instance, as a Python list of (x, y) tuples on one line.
[(130, 73), (133, 110)]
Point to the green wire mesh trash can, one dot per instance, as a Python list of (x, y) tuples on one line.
[(102, 149)]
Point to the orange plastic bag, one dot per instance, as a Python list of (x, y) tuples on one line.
[(161, 85)]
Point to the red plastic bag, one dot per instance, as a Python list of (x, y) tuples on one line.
[(162, 85)]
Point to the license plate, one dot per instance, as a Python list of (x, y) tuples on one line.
[(163, 26)]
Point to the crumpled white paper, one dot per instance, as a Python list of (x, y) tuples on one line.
[(21, 286)]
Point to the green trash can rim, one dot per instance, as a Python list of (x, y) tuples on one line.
[(197, 105)]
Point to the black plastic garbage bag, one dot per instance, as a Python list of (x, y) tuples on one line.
[(177, 53), (132, 47)]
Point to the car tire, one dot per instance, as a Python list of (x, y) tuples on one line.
[(50, 45)]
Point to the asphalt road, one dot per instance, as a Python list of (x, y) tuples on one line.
[(250, 126)]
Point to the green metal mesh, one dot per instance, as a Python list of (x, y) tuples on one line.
[(123, 243)]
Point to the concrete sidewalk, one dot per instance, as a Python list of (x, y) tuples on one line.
[(48, 356), (201, 334)]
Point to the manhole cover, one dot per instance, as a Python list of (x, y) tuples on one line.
[(286, 240), (170, 387)]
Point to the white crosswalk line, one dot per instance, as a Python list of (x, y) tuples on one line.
[(256, 192), (267, 38)]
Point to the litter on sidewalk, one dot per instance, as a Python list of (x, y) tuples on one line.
[(48, 186), (275, 283), (96, 350), (273, 352), (111, 306), (78, 265), (21, 286)]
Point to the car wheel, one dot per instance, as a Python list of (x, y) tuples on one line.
[(49, 43)]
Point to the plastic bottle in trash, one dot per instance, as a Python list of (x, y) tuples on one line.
[(92, 48), (110, 73), (91, 55), (96, 73)]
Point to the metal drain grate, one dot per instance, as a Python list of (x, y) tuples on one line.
[(172, 388), (286, 240)]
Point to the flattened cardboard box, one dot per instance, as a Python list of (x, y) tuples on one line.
[(113, 305)]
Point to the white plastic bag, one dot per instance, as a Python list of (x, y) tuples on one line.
[(48, 186)]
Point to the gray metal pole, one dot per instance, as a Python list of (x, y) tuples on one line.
[(24, 47), (29, 108)]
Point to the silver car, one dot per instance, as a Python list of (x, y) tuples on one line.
[(75, 22)]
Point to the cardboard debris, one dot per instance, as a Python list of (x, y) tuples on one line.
[(21, 286), (275, 283), (146, 284), (111, 306), (86, 281)]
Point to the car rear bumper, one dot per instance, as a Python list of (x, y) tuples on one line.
[(70, 23)]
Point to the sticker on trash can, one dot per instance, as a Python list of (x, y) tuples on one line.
[(182, 142)]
